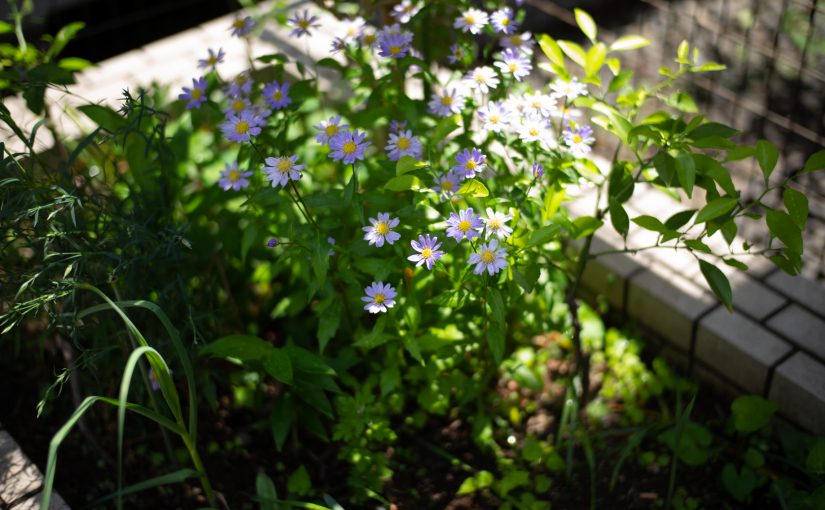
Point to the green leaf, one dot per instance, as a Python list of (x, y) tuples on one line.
[(497, 306), (496, 333), (650, 223), (679, 219), (697, 245), (629, 42), (797, 205), (618, 217), (718, 282), (74, 64), (242, 347), (595, 59), (480, 480), (328, 323), (573, 51), (781, 225), (752, 413), (584, 226), (586, 24), (620, 183), (716, 208), (767, 155), (682, 101), (712, 129), (446, 126), (708, 67), (283, 415), (104, 117), (278, 365), (815, 162), (620, 80), (5, 28), (403, 183), (63, 37), (739, 484), (686, 170), (665, 166), (267, 494), (299, 482), (250, 235), (736, 263), (551, 49), (408, 164), (473, 187), (307, 361), (815, 462), (682, 52)]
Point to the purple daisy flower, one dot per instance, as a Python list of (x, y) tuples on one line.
[(212, 60), (447, 184), (339, 44), (302, 23), (348, 146), (489, 257), (236, 105), (456, 54), (329, 128), (276, 95), (272, 243), (523, 42), (381, 230), (397, 125), (428, 251), (404, 11), (242, 127), (538, 170), (282, 170), (449, 102), (242, 26), (379, 297), (195, 96), (241, 85), (470, 162), (233, 178), (464, 225), (578, 140), (404, 143), (394, 44), (503, 21), (515, 63)]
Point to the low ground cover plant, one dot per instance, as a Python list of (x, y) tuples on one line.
[(366, 269)]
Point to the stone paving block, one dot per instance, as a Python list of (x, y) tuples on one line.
[(33, 503), (607, 274), (18, 475), (667, 303), (802, 327), (738, 347), (802, 290), (798, 387), (753, 297)]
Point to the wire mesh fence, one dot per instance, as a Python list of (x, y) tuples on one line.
[(774, 86)]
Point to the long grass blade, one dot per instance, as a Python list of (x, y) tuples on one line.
[(169, 478)]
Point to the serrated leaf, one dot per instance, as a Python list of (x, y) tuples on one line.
[(716, 208), (629, 42), (586, 24), (718, 282), (474, 188)]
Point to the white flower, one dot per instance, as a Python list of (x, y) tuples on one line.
[(495, 117), (381, 230), (282, 170), (379, 297), (449, 102), (533, 129), (473, 20), (494, 224), (569, 89), (539, 104), (489, 257), (482, 79)]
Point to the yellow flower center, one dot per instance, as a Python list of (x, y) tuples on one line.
[(494, 224), (196, 93), (426, 253), (349, 148), (234, 175), (513, 66), (379, 298), (212, 61), (534, 131), (395, 50), (469, 19), (239, 23), (516, 40), (577, 138), (303, 24), (403, 143), (242, 127), (369, 39), (480, 78), (277, 95), (464, 226), (284, 166), (494, 119), (505, 22), (238, 105), (470, 164), (447, 185), (488, 257), (446, 100), (382, 228), (331, 129)]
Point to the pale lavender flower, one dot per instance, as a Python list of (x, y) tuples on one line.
[(568, 89), (515, 63), (348, 146), (428, 251), (495, 117), (481, 78), (331, 242), (456, 54), (404, 143), (379, 297), (240, 128), (329, 128), (241, 85), (242, 26), (212, 60), (276, 95), (447, 184), (472, 20), (489, 257), (381, 230), (404, 11), (578, 140), (538, 170), (538, 104), (464, 225), (338, 45), (522, 42), (272, 243), (282, 170), (494, 224), (195, 96), (232, 178), (397, 126), (236, 105), (449, 102), (301, 23), (503, 21), (534, 129), (470, 162), (352, 28)]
